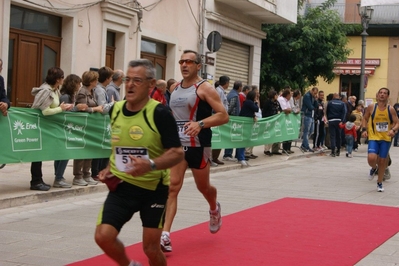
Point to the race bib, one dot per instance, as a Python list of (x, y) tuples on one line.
[(381, 126), (181, 128), (122, 160)]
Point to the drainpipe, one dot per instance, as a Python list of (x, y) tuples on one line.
[(202, 10)]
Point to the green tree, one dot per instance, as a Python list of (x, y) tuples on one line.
[(297, 54)]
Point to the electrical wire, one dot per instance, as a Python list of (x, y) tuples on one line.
[(74, 8), (153, 6), (192, 13), (80, 7)]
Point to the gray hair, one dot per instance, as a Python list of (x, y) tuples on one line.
[(117, 74), (147, 64), (197, 55)]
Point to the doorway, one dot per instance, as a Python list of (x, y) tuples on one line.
[(350, 85), (34, 47)]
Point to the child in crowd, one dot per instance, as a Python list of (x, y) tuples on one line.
[(350, 134)]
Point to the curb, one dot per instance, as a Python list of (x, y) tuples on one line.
[(59, 193)]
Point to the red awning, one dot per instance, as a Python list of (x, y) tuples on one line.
[(353, 70)]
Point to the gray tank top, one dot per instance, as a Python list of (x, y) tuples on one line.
[(187, 106)]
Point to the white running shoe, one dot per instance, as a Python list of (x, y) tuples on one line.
[(79, 182), (90, 180), (215, 220), (230, 159), (166, 244), (380, 188), (61, 183), (373, 172), (213, 164), (135, 263), (244, 163)]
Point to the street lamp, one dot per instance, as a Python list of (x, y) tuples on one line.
[(365, 13)]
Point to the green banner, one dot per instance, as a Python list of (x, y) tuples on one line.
[(241, 132), (27, 135)]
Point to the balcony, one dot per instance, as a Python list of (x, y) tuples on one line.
[(266, 11), (386, 14)]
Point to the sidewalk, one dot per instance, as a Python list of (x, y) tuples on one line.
[(15, 179)]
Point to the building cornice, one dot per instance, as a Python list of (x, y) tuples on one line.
[(119, 13), (233, 24)]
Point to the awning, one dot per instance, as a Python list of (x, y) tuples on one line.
[(353, 70)]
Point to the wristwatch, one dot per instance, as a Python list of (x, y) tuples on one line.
[(152, 164), (201, 124)]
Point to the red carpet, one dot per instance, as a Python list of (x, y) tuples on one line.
[(289, 231)]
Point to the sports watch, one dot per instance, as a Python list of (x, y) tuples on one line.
[(201, 124), (152, 164)]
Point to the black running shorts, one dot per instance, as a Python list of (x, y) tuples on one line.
[(197, 157), (128, 199)]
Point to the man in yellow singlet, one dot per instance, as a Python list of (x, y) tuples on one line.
[(379, 124)]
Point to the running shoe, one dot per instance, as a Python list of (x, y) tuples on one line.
[(303, 149), (387, 174), (61, 183), (230, 159), (166, 244), (380, 188), (90, 180), (135, 263), (213, 164), (244, 163), (373, 172), (215, 221)]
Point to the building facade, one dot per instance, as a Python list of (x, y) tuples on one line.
[(382, 54), (80, 35)]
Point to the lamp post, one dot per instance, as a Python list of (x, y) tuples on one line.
[(365, 13)]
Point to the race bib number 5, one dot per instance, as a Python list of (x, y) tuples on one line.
[(122, 159)]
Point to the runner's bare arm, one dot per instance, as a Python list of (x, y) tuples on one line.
[(366, 119), (395, 120), (207, 93)]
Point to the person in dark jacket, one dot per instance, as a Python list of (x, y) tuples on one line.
[(309, 105), (335, 115), (269, 108), (319, 119), (249, 108)]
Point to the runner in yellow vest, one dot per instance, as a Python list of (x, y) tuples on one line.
[(379, 124)]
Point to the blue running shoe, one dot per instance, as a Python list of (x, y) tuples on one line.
[(373, 172), (380, 188)]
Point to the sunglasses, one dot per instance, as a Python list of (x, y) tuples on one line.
[(188, 62)]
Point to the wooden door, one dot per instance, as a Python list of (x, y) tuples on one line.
[(30, 56), (28, 68), (110, 57), (159, 63)]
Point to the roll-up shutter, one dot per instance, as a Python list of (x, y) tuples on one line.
[(233, 60)]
